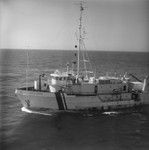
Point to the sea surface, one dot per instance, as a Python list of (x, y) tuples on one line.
[(123, 130)]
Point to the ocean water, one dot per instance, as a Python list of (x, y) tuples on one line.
[(125, 130)]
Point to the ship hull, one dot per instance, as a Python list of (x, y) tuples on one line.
[(38, 100)]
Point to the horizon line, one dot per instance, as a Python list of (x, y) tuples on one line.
[(100, 50)]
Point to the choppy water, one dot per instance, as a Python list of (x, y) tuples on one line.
[(23, 131)]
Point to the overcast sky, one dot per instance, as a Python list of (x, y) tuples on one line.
[(52, 24)]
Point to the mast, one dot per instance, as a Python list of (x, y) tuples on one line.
[(80, 38), (27, 67)]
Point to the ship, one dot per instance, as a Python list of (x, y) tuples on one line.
[(77, 88)]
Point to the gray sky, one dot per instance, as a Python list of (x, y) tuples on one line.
[(52, 24)]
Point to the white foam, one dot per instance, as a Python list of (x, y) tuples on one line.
[(26, 110), (110, 113), (34, 112)]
